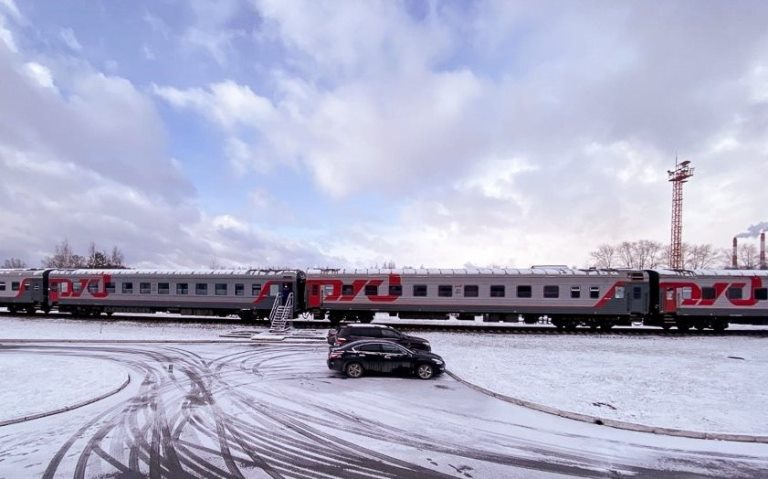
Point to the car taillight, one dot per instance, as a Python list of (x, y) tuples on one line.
[(335, 355), (340, 341)]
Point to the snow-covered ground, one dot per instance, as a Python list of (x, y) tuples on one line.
[(713, 384), (114, 329), (32, 386)]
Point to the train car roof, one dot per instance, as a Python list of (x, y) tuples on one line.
[(179, 272), (544, 271), (715, 272), (21, 272)]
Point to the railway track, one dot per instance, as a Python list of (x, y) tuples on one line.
[(422, 325)]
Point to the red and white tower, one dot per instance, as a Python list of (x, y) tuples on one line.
[(678, 176)]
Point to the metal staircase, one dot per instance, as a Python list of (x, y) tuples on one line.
[(281, 316)]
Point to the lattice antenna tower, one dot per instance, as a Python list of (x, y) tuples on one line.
[(678, 176)]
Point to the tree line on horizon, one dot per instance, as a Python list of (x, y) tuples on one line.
[(64, 256), (649, 254)]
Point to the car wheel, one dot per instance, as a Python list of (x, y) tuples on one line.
[(425, 371), (354, 370)]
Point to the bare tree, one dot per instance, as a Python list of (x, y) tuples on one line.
[(648, 254), (604, 256), (626, 254), (14, 263), (64, 257), (700, 256), (748, 256), (116, 259)]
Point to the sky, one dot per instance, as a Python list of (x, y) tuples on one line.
[(349, 134)]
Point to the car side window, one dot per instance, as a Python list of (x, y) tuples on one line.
[(369, 348), (388, 333), (371, 332), (392, 349)]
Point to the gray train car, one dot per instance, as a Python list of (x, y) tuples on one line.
[(248, 293), (570, 297), (23, 290), (710, 298)]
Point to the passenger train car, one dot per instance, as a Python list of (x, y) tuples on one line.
[(248, 293), (568, 297)]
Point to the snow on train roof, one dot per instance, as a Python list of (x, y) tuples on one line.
[(716, 272), (470, 271), (179, 272)]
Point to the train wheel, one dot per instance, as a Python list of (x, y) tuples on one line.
[(683, 326), (720, 326), (30, 310), (12, 309), (606, 326)]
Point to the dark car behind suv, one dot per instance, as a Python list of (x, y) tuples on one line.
[(379, 355), (346, 333)]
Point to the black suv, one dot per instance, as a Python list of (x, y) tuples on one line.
[(378, 355), (346, 333)]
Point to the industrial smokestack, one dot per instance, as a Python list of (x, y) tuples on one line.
[(734, 260), (763, 265)]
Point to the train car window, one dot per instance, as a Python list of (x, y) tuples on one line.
[(575, 292), (395, 290), (109, 286), (445, 290), (594, 292), (734, 293), (347, 290), (419, 289), (14, 286), (93, 286), (75, 287), (761, 294), (182, 288), (371, 290), (619, 292), (708, 292), (687, 292), (127, 288), (524, 291), (471, 291), (498, 291), (145, 288), (552, 291), (637, 292), (201, 288), (221, 289), (163, 288), (2, 285), (255, 289)]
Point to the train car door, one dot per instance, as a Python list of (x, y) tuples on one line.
[(315, 295), (637, 299), (670, 299)]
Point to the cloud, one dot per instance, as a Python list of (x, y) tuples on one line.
[(482, 133), (68, 35), (89, 161)]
